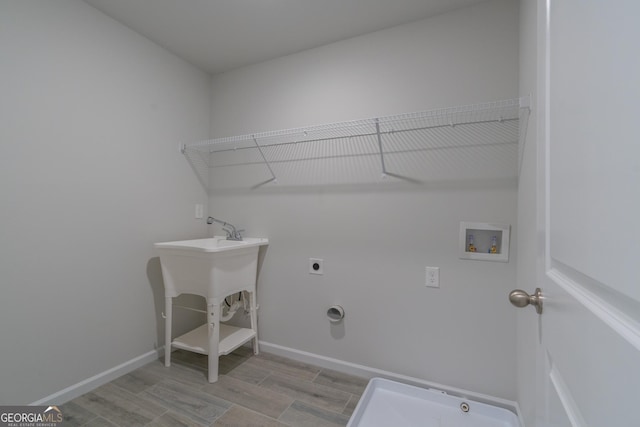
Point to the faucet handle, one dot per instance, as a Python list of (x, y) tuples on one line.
[(238, 236), (229, 229)]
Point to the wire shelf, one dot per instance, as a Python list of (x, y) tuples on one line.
[(473, 142)]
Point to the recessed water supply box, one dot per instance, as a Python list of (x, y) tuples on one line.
[(484, 241)]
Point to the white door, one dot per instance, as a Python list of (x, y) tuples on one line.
[(588, 343)]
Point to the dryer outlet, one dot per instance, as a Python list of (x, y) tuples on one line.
[(315, 266)]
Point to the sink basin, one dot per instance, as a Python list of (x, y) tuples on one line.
[(212, 244), (213, 267)]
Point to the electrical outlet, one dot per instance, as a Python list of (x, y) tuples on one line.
[(432, 277), (199, 211), (315, 266)]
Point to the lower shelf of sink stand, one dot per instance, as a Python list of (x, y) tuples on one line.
[(197, 340)]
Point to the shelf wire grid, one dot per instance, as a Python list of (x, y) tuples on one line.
[(473, 142)]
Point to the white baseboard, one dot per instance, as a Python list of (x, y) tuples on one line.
[(95, 381), (368, 372)]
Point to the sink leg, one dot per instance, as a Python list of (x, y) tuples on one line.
[(168, 313), (254, 320), (213, 318)]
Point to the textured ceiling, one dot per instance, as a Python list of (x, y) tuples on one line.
[(220, 35)]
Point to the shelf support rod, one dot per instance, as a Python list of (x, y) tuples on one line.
[(190, 309), (523, 117), (384, 168), (385, 173), (266, 162)]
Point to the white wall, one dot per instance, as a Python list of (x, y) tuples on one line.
[(90, 176), (375, 242)]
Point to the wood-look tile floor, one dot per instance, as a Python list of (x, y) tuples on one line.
[(252, 391)]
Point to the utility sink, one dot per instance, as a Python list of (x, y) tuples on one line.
[(212, 267)]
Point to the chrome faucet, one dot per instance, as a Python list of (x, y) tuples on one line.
[(232, 233)]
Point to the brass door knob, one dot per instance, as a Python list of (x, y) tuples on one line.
[(520, 298)]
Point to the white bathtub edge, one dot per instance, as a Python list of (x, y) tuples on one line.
[(368, 372), (519, 414)]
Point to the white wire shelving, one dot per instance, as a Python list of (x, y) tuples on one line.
[(472, 142)]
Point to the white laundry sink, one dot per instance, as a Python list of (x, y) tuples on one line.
[(212, 267)]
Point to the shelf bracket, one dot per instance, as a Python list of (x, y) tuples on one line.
[(524, 112), (385, 172), (266, 162), (384, 168)]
